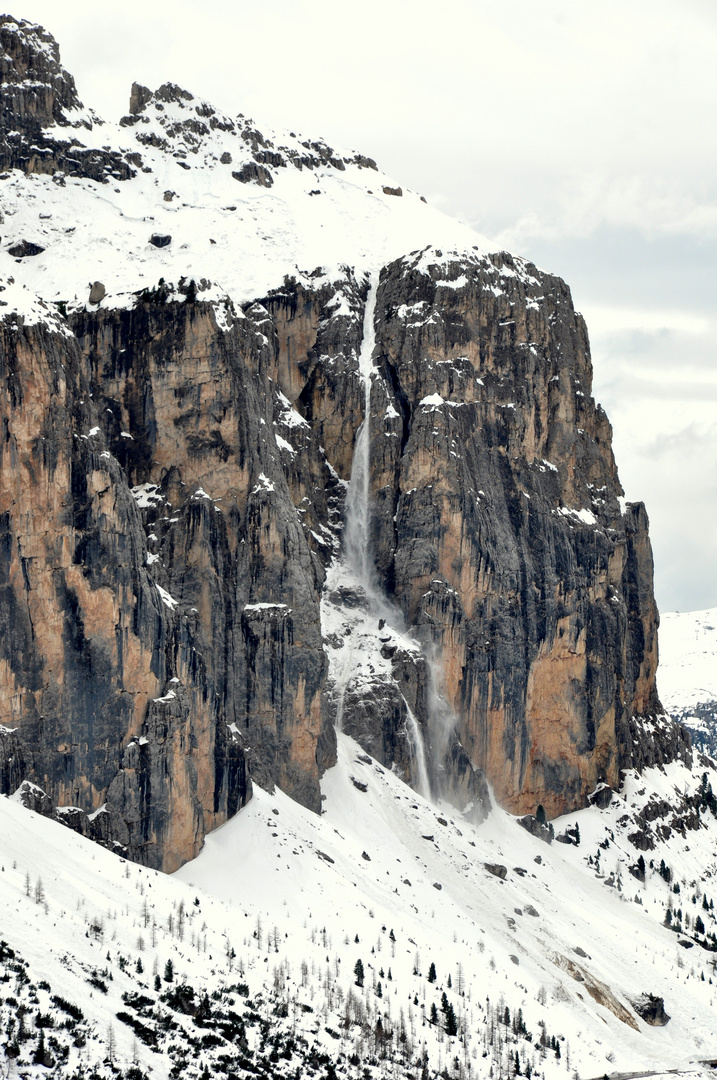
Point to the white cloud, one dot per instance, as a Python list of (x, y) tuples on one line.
[(605, 320)]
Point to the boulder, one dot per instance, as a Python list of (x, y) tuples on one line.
[(536, 828), (251, 173), (34, 798), (651, 1009), (160, 240), (97, 292), (497, 869), (601, 796), (138, 98), (24, 249)]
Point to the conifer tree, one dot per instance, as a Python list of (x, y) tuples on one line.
[(38, 1058), (451, 1022)]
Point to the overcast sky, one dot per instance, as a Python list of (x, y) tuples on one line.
[(579, 135)]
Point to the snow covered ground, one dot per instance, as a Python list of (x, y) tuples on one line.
[(242, 237), (687, 677), (273, 916)]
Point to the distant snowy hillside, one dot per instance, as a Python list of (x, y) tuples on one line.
[(687, 677), (548, 952)]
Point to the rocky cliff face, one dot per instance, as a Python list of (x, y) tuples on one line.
[(498, 526), (176, 614), (43, 123), (160, 616)]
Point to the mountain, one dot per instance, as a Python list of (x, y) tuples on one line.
[(274, 463), (319, 590), (688, 673)]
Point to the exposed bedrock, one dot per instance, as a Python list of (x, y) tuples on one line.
[(159, 615), (172, 480), (498, 522)]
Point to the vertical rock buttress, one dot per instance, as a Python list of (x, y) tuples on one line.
[(172, 483), (498, 523), (153, 568)]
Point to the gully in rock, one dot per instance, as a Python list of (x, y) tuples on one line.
[(357, 554), (357, 548)]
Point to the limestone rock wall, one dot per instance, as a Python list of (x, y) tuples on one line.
[(173, 477), (153, 568), (498, 522)]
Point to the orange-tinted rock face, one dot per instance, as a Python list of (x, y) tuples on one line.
[(509, 545), (140, 658), (171, 493), (498, 526)]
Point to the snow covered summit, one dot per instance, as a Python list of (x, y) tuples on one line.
[(176, 189)]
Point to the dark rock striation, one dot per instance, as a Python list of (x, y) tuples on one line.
[(153, 566), (173, 477), (41, 116)]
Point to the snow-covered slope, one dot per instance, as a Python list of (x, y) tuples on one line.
[(308, 206), (270, 921), (687, 678)]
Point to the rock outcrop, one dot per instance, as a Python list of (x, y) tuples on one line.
[(173, 478), (498, 522), (159, 602), (42, 119)]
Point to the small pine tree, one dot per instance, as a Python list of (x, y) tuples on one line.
[(169, 971), (38, 1058), (449, 982), (157, 983), (359, 972), (139, 967), (434, 1013), (451, 1022), (432, 973)]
